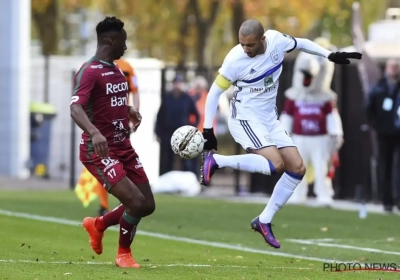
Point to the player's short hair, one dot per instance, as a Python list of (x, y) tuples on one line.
[(109, 24), (252, 27)]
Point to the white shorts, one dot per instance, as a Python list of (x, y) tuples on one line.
[(256, 135)]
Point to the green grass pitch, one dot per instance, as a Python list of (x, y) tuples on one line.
[(190, 238)]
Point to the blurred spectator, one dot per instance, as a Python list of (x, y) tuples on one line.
[(382, 112), (175, 111), (198, 92)]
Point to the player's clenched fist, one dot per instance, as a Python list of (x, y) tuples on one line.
[(209, 137), (100, 144), (343, 57)]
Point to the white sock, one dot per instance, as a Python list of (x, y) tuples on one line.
[(250, 162), (283, 190)]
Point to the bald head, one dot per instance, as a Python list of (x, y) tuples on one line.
[(251, 37), (251, 27)]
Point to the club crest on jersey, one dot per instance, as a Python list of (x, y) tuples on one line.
[(275, 56)]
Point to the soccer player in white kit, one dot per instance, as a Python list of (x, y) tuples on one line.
[(254, 67)]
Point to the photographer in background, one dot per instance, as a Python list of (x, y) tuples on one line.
[(175, 111)]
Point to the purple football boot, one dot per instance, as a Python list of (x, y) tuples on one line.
[(266, 231), (208, 168)]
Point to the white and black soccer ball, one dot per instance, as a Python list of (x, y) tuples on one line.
[(187, 142)]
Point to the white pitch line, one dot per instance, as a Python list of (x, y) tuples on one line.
[(171, 237), (111, 263), (322, 240), (321, 244), (149, 265)]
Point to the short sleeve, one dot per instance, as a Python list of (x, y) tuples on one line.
[(228, 68), (288, 107), (286, 42), (83, 86)]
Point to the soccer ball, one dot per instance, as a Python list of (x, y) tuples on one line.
[(187, 142)]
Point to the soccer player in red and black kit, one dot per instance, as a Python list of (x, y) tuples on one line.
[(99, 107)]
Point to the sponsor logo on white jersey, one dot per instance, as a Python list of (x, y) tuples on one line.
[(274, 87), (260, 89), (265, 89)]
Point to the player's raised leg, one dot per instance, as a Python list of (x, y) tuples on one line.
[(252, 136), (284, 188), (254, 163)]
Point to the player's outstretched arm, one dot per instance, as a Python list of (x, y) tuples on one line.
[(311, 47), (220, 85)]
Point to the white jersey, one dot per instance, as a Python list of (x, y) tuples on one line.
[(256, 79)]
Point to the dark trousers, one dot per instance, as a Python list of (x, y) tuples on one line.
[(168, 158), (389, 168)]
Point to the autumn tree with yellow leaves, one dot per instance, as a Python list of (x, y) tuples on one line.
[(202, 31)]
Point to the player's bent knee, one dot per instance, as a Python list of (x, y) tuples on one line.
[(150, 204), (139, 202), (149, 208), (136, 203), (293, 161), (129, 195), (275, 162), (152, 208), (299, 169), (303, 169), (279, 165)]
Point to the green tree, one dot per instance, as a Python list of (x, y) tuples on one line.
[(203, 31)]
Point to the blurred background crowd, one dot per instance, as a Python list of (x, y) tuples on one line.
[(175, 48)]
